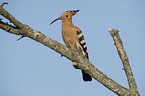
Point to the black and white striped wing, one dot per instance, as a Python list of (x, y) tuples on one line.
[(82, 43)]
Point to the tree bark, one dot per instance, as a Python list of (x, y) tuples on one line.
[(73, 54)]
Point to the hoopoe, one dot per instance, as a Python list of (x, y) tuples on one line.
[(73, 37)]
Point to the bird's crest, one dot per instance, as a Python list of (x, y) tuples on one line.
[(66, 15)]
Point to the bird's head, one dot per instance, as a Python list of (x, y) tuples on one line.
[(66, 16)]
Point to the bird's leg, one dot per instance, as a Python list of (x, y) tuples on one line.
[(75, 65)]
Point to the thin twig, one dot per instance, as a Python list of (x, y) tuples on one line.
[(20, 38), (4, 4), (71, 54)]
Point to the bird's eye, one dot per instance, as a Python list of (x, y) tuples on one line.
[(66, 15)]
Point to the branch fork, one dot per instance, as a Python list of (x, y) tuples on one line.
[(83, 63)]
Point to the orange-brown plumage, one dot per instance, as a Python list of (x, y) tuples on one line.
[(73, 36)]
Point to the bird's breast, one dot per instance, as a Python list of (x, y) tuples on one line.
[(69, 36)]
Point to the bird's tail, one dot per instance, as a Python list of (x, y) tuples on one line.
[(86, 76)]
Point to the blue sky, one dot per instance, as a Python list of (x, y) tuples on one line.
[(27, 68)]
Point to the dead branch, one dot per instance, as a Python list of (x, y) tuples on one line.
[(71, 54)]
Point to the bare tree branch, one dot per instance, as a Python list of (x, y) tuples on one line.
[(12, 19), (124, 58), (9, 28), (71, 54)]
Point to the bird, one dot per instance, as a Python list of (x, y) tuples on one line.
[(73, 37)]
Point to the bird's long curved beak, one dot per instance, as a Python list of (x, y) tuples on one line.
[(55, 20)]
